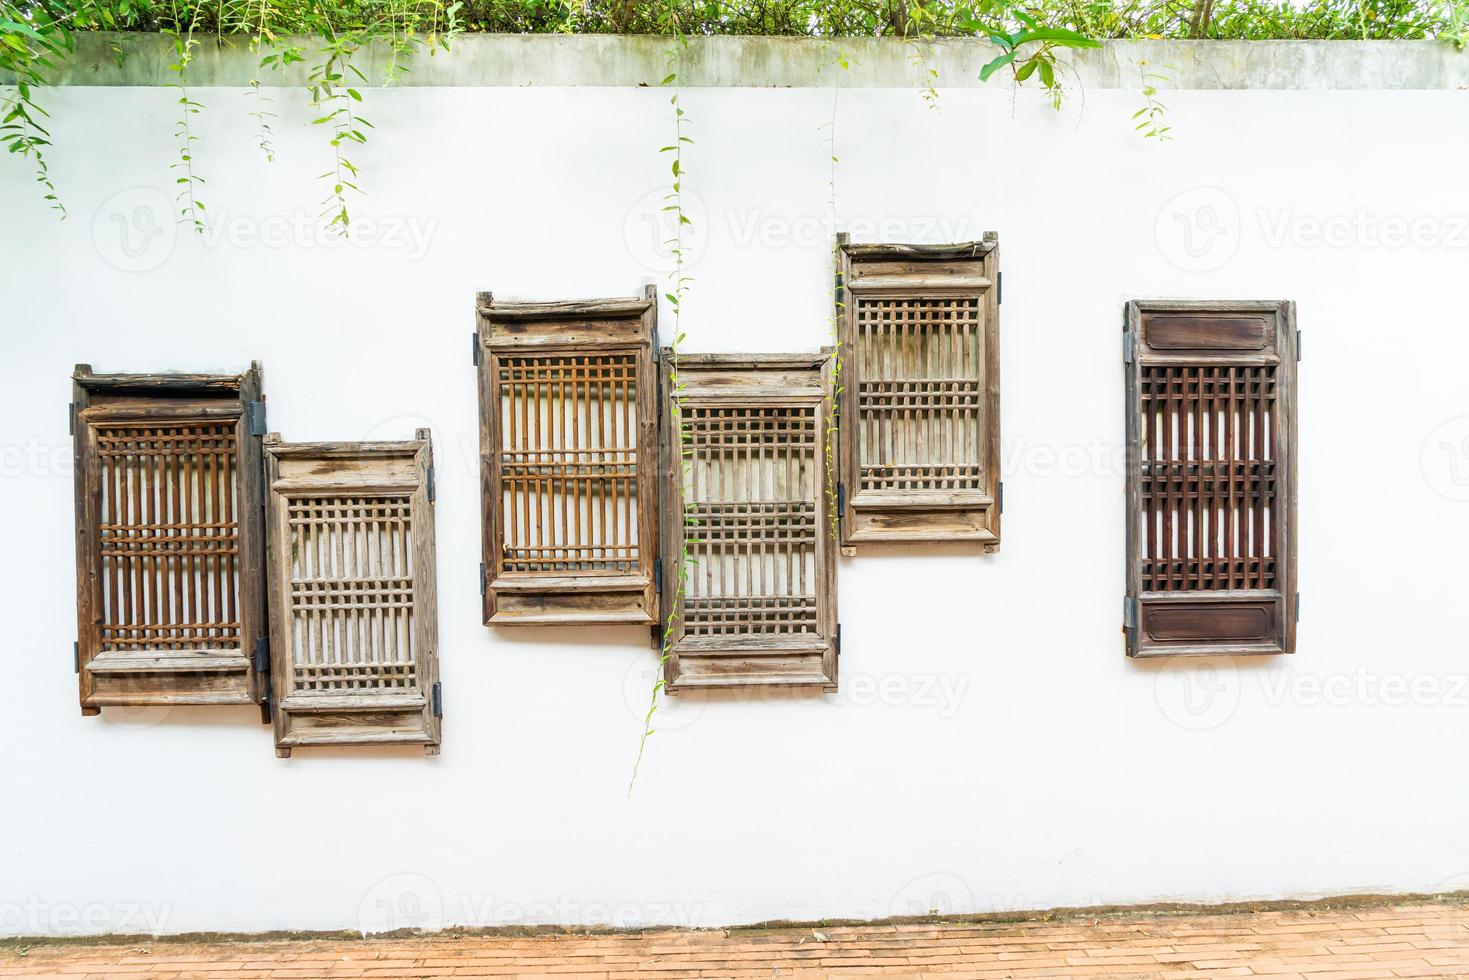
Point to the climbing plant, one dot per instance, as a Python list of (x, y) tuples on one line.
[(327, 36), (673, 206)]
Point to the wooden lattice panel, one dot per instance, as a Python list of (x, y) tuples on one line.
[(353, 618), (759, 601), (168, 538), (1211, 517), (568, 436), (920, 392)]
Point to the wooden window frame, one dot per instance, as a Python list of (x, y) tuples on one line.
[(177, 677), (962, 271), (624, 327), (1250, 349), (409, 714), (755, 381)]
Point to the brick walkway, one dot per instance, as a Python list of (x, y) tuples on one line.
[(1417, 940)]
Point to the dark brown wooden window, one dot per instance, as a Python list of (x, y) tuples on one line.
[(169, 597), (1211, 517), (568, 437), (353, 611), (759, 606), (920, 403)]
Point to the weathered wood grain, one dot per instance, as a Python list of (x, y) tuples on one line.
[(920, 392), (169, 577), (353, 609), (759, 607), (1211, 477), (568, 431)]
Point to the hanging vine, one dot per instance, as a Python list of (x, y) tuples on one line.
[(673, 205), (191, 208), (1149, 119), (35, 34), (839, 64), (27, 51)]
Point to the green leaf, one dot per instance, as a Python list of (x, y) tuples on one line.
[(996, 65), (1061, 36), (11, 27), (1026, 70)]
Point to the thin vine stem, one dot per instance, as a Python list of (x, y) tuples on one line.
[(839, 64), (673, 205)]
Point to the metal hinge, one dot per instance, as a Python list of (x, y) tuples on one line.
[(999, 288), (1129, 612), (258, 426), (658, 574), (1127, 347), (71, 418), (262, 655), (438, 697), (841, 500), (837, 293), (1298, 607), (836, 640), (76, 657), (432, 489), (481, 578), (1298, 345), (475, 355), (1000, 497)]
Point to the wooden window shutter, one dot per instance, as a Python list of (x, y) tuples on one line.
[(759, 604), (920, 402), (568, 437), (1211, 513), (169, 542), (353, 610)]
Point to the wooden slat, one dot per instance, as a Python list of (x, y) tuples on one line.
[(168, 517), (920, 392), (761, 581), (1211, 483), (353, 609), (567, 406)]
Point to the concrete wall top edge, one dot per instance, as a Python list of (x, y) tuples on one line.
[(512, 60)]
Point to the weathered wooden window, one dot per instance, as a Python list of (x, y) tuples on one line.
[(920, 403), (759, 604), (353, 612), (568, 437), (1211, 516), (169, 599)]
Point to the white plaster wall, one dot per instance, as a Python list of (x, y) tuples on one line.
[(991, 747)]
